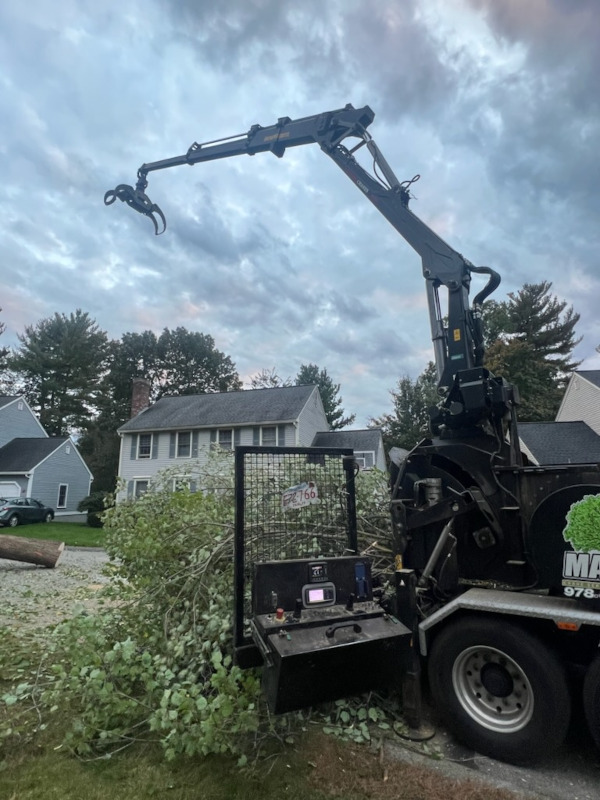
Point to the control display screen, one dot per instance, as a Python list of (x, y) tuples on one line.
[(322, 595), (316, 595)]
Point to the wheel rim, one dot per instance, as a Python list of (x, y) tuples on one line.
[(493, 689), (13, 522)]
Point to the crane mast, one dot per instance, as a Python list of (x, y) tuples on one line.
[(470, 395)]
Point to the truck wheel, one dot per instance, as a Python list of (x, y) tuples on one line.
[(591, 699), (499, 689)]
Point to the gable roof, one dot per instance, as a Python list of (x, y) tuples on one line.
[(6, 399), (22, 455), (561, 442), (591, 375), (368, 439), (249, 407)]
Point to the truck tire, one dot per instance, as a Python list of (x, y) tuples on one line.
[(499, 689), (591, 699)]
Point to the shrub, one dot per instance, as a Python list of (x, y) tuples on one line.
[(95, 504), (156, 663)]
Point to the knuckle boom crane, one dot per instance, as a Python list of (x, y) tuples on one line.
[(495, 595)]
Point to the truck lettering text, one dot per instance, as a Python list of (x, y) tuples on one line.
[(581, 565)]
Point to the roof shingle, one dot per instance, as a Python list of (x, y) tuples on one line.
[(22, 455), (250, 407), (561, 442)]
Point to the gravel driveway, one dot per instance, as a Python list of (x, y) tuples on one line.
[(34, 597)]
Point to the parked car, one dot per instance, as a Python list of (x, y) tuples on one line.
[(19, 510)]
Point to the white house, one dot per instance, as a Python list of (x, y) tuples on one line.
[(175, 430), (582, 399)]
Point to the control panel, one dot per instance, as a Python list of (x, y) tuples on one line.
[(310, 583), (320, 633)]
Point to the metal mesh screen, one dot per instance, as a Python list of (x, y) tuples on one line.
[(291, 503)]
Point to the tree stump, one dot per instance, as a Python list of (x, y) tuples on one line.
[(33, 551)]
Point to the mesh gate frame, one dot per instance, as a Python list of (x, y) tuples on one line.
[(245, 651)]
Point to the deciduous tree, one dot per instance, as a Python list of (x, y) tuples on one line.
[(268, 379), (176, 362), (408, 422)]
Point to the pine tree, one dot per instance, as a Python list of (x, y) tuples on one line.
[(59, 367), (310, 374), (531, 338)]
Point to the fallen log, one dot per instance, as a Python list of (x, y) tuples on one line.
[(33, 551)]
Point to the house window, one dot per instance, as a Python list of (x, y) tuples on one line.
[(140, 488), (269, 436), (185, 483), (184, 444), (144, 445), (365, 458), (225, 439), (62, 495)]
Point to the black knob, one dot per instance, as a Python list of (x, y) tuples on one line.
[(298, 608)]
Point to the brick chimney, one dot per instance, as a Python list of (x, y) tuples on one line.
[(140, 396)]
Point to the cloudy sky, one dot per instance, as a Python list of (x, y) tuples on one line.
[(283, 261)]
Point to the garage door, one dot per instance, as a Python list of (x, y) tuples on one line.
[(9, 489)]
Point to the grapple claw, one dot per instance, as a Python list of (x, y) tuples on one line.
[(139, 201)]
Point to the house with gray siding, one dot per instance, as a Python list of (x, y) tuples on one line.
[(581, 401), (17, 420), (33, 464), (175, 430), (367, 444)]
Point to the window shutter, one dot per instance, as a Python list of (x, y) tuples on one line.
[(237, 437), (134, 439), (172, 442), (195, 444), (193, 486), (155, 445), (213, 439), (129, 490), (255, 436), (281, 435)]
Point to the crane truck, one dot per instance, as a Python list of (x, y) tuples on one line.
[(497, 594)]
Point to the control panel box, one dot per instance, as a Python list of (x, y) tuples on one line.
[(321, 634)]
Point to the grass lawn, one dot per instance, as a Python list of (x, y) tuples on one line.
[(71, 533), (36, 766), (318, 768)]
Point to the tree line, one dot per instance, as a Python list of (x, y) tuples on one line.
[(78, 380)]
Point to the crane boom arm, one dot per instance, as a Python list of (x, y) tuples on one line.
[(460, 346)]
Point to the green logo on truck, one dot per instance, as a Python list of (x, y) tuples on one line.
[(581, 569)]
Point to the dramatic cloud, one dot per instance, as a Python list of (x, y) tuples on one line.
[(283, 261)]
